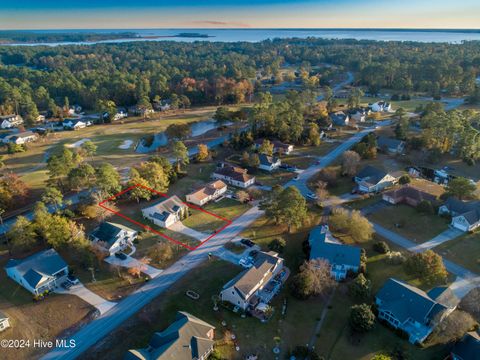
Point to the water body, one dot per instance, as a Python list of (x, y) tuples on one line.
[(197, 129), (255, 35)]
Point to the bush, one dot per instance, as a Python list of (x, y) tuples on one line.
[(395, 258), (425, 207), (362, 319), (277, 245), (404, 179), (428, 266), (360, 288), (381, 247)]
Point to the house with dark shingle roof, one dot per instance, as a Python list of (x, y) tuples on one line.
[(40, 272), (413, 310), (465, 214), (390, 145), (408, 194), (10, 121), (268, 163), (4, 321), (339, 118), (342, 258), (244, 289), (468, 348), (371, 179), (233, 175), (213, 190), (166, 212), (188, 338), (114, 237), (278, 146)]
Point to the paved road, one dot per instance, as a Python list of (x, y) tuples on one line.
[(106, 323)]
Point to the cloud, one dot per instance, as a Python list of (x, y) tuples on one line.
[(229, 24)]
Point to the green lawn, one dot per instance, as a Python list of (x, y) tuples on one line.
[(408, 222), (277, 177), (226, 208), (464, 250), (344, 184)]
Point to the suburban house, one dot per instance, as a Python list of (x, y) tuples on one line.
[(4, 321), (370, 179), (410, 195), (390, 145), (20, 138), (468, 348), (268, 163), (140, 110), (40, 272), (465, 214), (166, 212), (278, 146), (339, 118), (359, 115), (380, 106), (253, 288), (114, 237), (212, 191), (233, 175), (187, 338), (412, 310), (342, 258), (10, 121), (75, 124)]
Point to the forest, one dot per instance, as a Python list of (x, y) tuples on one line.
[(40, 78)]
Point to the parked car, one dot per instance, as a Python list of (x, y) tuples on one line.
[(246, 263), (296, 178), (121, 256), (72, 280), (247, 242)]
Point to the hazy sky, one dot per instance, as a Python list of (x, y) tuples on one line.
[(71, 14)]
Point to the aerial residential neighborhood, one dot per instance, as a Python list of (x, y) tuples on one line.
[(240, 180)]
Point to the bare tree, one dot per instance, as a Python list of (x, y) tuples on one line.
[(350, 161), (321, 191), (313, 279)]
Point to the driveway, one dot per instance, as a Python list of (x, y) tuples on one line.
[(185, 230), (342, 199), (445, 236), (90, 297), (131, 262)]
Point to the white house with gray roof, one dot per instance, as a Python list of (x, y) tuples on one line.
[(166, 212), (371, 179), (465, 214), (269, 163), (10, 121), (40, 272), (390, 145), (113, 237), (413, 310)]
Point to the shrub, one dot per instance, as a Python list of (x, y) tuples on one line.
[(381, 247), (360, 288), (395, 258), (425, 207), (277, 245), (404, 179), (362, 319)]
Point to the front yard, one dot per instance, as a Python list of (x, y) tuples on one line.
[(408, 222), (464, 250)]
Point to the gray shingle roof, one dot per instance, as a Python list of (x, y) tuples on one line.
[(390, 143), (468, 209), (108, 231), (267, 160), (335, 254), (38, 265), (185, 339), (406, 301), (468, 348)]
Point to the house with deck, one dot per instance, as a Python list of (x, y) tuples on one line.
[(412, 310), (187, 338), (212, 191), (4, 321), (20, 138), (40, 272), (465, 214), (233, 175), (10, 121), (113, 237), (342, 258), (166, 212), (371, 179), (253, 288)]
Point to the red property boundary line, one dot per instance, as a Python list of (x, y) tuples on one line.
[(146, 227)]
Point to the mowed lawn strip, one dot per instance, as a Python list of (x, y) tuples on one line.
[(464, 250), (410, 223)]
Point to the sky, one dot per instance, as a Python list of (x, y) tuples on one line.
[(137, 14)]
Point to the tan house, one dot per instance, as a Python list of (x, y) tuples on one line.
[(245, 290), (188, 338), (209, 192)]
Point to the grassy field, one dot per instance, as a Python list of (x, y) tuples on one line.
[(408, 222), (464, 251), (344, 184), (46, 319), (204, 222)]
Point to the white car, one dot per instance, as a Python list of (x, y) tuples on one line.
[(245, 263), (312, 196)]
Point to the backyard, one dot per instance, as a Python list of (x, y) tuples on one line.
[(409, 222)]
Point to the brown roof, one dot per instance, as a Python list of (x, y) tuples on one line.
[(411, 192), (208, 189), (234, 172)]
